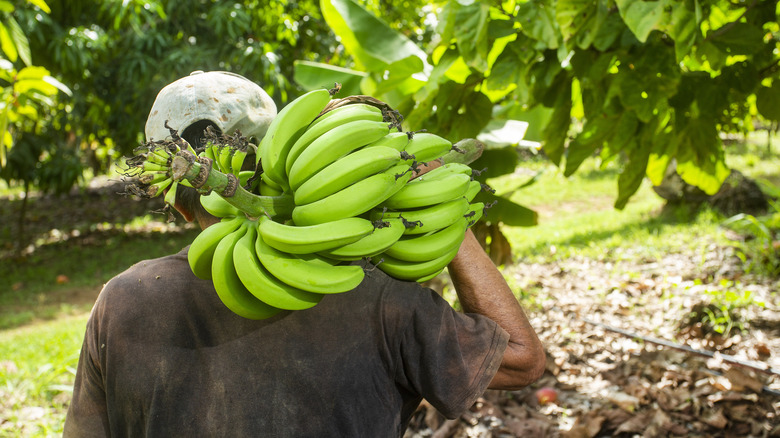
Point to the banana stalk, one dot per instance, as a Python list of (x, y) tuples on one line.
[(465, 151), (186, 167)]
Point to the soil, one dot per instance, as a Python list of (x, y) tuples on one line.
[(591, 314)]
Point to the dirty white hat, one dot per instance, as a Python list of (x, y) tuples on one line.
[(231, 101)]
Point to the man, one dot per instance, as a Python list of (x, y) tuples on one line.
[(162, 356)]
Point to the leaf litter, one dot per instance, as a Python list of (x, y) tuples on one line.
[(615, 384)]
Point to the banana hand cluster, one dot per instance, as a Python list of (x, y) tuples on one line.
[(346, 184)]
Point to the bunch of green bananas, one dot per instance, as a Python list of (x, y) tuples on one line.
[(150, 166), (337, 183)]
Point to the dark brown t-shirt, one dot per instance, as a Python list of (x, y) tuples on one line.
[(162, 357)]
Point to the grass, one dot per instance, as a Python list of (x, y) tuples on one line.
[(36, 288), (36, 376), (576, 216), (41, 330)]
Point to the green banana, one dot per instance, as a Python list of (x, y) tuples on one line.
[(217, 206), (244, 176), (345, 171), (426, 146), (271, 183), (231, 291), (288, 125), (424, 247), (428, 219), (261, 283), (201, 252), (150, 178), (444, 170), (333, 145), (209, 152), (413, 271), (429, 192), (354, 200), (158, 158), (328, 121), (314, 238), (237, 160), (308, 272), (475, 212), (268, 190), (223, 159), (370, 245), (148, 166), (170, 195), (156, 190), (395, 140), (346, 111), (474, 188), (160, 153)]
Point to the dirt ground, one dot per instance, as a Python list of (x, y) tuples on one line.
[(608, 382)]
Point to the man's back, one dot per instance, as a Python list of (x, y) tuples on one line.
[(164, 357)]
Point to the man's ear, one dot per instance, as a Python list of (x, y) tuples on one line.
[(187, 215)]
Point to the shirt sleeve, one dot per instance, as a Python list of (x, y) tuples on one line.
[(447, 357), (87, 414)]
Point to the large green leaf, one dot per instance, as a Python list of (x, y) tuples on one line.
[(610, 31), (41, 4), (700, 160), (503, 74), (537, 21), (312, 75), (7, 43), (580, 20), (593, 135), (402, 77), (471, 116), (505, 211), (20, 40), (768, 101), (471, 34), (684, 27), (372, 43), (496, 162), (641, 17), (633, 172), (739, 39), (557, 130)]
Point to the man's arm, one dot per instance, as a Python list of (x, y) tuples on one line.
[(482, 289)]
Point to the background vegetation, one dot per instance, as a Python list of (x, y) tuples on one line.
[(586, 106)]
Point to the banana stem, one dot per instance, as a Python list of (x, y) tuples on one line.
[(465, 151), (187, 168)]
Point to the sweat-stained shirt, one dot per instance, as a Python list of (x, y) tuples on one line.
[(163, 357)]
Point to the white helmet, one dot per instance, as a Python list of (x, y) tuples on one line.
[(230, 101)]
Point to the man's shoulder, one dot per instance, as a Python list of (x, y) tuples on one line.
[(149, 279), (160, 268)]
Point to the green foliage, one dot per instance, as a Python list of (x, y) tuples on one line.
[(632, 81), (26, 101), (721, 310), (36, 376), (116, 56), (760, 250)]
